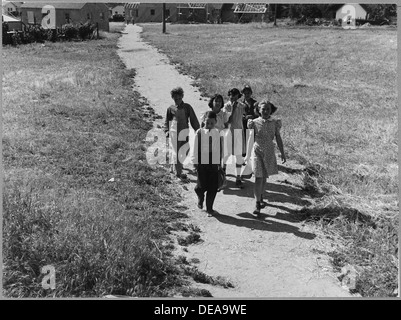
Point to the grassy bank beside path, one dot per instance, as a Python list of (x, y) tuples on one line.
[(78, 193)]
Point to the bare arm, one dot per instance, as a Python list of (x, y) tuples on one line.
[(251, 137), (193, 119), (167, 121), (280, 146), (196, 151)]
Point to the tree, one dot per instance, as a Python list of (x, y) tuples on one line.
[(382, 11)]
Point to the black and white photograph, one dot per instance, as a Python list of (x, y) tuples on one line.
[(200, 151)]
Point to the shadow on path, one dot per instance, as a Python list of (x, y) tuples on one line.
[(262, 224), (273, 193)]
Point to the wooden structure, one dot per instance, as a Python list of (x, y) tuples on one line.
[(360, 12), (149, 12), (12, 9), (116, 9), (75, 13), (12, 22), (180, 12), (250, 11)]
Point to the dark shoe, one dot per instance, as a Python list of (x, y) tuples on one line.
[(257, 208), (263, 203), (182, 176), (210, 212), (239, 184), (200, 203)]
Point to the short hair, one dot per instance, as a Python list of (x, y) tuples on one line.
[(216, 96), (247, 88), (210, 115), (233, 92), (272, 106), (178, 91)]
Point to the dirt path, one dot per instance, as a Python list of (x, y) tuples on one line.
[(269, 257)]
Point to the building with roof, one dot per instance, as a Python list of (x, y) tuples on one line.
[(334, 11), (12, 22), (75, 13), (343, 11), (150, 12), (251, 11), (11, 8), (116, 8), (180, 12)]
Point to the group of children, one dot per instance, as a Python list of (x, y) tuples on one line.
[(222, 133)]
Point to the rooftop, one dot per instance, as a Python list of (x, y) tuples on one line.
[(56, 5), (250, 8)]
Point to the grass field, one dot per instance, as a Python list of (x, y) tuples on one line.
[(337, 97), (71, 124)]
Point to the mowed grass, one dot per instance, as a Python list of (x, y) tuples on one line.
[(337, 97), (71, 124)]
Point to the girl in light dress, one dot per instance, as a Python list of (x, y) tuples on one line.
[(262, 156)]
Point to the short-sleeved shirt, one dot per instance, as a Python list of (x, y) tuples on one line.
[(236, 120)]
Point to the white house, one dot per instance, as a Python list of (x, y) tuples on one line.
[(11, 8), (119, 9), (352, 11)]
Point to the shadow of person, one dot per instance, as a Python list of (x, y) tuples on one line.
[(262, 224), (289, 170), (284, 198), (289, 214), (273, 193)]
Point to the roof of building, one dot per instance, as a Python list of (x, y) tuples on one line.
[(56, 5), (17, 4), (7, 18), (216, 5), (131, 5), (336, 6), (250, 8), (192, 5), (114, 4)]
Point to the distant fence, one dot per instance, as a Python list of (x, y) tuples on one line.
[(36, 33)]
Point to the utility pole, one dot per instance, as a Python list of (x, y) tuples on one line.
[(164, 17)]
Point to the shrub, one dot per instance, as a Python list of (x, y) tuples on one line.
[(86, 30), (69, 32), (35, 33)]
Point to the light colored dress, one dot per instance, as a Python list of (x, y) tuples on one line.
[(263, 156)]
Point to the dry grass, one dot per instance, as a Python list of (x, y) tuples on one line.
[(71, 123), (336, 93), (336, 90)]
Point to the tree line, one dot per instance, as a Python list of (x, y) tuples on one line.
[(312, 11)]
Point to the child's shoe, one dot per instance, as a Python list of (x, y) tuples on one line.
[(239, 184), (262, 203), (182, 177), (200, 203), (210, 212), (257, 208)]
